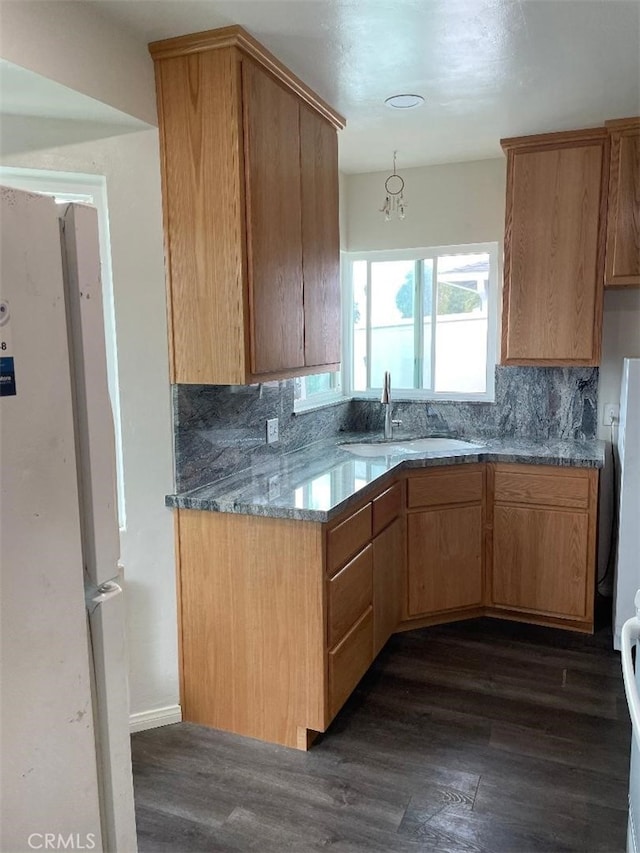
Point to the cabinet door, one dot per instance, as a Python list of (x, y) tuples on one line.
[(540, 560), (274, 231), (623, 223), (320, 239), (554, 259), (445, 559), (388, 562)]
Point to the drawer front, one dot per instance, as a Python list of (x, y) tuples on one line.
[(347, 538), (450, 487), (554, 487), (349, 661), (350, 593), (386, 507)]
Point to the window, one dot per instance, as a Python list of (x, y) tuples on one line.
[(426, 315), (68, 187), (320, 389)]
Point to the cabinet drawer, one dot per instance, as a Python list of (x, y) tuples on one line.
[(550, 487), (349, 661), (386, 507), (350, 593), (347, 538), (453, 487)]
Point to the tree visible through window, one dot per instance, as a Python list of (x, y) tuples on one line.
[(426, 317)]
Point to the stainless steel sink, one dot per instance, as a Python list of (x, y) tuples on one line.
[(415, 445)]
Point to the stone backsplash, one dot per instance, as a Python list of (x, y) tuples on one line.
[(220, 429)]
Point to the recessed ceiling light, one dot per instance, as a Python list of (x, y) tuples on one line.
[(404, 102)]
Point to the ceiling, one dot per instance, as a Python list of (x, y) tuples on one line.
[(36, 112), (487, 68)]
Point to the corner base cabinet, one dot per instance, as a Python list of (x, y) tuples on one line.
[(280, 618), (445, 539)]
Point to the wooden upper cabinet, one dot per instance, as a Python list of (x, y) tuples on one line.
[(250, 189), (274, 229), (623, 217), (320, 239), (554, 248)]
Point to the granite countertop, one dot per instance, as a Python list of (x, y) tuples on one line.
[(321, 480)]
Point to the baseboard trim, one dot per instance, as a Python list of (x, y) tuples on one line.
[(154, 719)]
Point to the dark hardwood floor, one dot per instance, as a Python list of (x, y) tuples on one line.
[(480, 736)]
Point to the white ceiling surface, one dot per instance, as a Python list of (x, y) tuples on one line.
[(487, 68), (26, 94)]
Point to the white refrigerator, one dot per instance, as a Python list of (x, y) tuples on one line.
[(627, 574), (66, 763), (630, 636)]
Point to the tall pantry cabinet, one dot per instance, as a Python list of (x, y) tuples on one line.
[(250, 199)]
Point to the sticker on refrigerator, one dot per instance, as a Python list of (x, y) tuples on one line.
[(7, 377)]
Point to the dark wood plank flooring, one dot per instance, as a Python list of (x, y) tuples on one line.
[(479, 736)]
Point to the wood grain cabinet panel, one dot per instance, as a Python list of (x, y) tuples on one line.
[(540, 560), (443, 486), (542, 543), (388, 569), (445, 539), (320, 239), (249, 191), (445, 559), (350, 593), (524, 484), (554, 248), (274, 230), (349, 661), (623, 215), (386, 507), (348, 537)]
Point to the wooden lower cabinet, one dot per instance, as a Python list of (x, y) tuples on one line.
[(388, 572), (540, 560), (445, 559), (542, 521), (252, 625), (445, 540), (349, 661), (280, 618)]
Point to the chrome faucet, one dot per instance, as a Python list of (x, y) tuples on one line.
[(389, 423)]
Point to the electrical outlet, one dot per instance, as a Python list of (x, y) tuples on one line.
[(274, 487), (611, 414), (272, 430)]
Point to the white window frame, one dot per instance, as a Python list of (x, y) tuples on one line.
[(419, 394), (76, 186)]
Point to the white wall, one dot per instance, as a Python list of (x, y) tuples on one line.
[(446, 205), (620, 338), (71, 43), (132, 169)]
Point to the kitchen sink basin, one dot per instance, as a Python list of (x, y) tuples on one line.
[(422, 444), (415, 445), (380, 448)]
